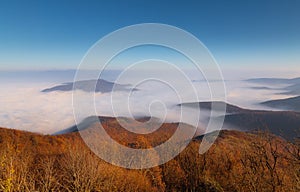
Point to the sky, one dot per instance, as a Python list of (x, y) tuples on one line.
[(42, 43), (55, 35)]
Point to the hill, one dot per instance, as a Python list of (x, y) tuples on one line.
[(292, 89), (292, 103), (291, 86), (275, 80), (282, 123), (217, 104), (236, 162), (99, 85)]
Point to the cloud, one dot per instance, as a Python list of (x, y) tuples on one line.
[(25, 107)]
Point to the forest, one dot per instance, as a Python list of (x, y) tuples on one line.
[(237, 161)]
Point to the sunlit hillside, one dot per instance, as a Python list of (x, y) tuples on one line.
[(238, 161)]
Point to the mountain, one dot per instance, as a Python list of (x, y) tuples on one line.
[(262, 88), (292, 104), (292, 86), (282, 123), (90, 121), (99, 85), (217, 104), (237, 161), (85, 123), (115, 127), (292, 89), (275, 80)]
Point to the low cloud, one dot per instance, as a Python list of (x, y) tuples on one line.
[(25, 107)]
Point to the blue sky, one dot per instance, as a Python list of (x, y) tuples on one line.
[(43, 35)]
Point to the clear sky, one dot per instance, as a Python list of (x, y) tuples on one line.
[(43, 35)]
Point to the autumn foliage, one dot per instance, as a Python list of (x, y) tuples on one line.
[(236, 162)]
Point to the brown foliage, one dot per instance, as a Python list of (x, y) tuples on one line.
[(236, 162)]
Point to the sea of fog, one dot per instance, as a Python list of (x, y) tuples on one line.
[(25, 107)]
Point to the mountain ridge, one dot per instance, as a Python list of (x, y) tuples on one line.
[(291, 103), (282, 123), (99, 85)]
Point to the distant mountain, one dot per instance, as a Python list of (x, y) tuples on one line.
[(292, 88), (262, 88), (99, 85), (275, 80), (282, 123), (292, 103), (92, 120), (217, 104)]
